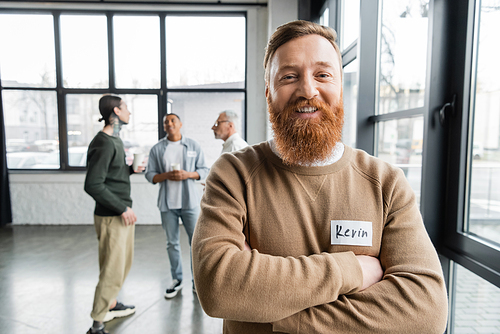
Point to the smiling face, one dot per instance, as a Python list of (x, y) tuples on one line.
[(304, 94), (302, 69), (172, 126)]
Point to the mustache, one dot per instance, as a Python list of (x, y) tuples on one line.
[(302, 102)]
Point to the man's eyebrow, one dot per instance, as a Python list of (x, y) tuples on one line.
[(324, 63), (286, 67), (292, 66)]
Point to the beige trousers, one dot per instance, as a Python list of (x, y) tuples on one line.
[(116, 252)]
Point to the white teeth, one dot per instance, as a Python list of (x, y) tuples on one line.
[(307, 110)]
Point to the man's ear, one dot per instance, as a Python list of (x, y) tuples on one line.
[(267, 90), (117, 111)]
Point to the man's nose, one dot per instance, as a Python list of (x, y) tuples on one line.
[(308, 88)]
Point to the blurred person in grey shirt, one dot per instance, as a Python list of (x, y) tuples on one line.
[(225, 128)]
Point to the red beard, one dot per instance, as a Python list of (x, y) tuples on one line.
[(306, 141)]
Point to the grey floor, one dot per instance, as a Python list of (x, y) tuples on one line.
[(48, 276)]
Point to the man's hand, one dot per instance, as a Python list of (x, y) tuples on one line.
[(178, 175), (140, 169), (129, 217), (372, 270)]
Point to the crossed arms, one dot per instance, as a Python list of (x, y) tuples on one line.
[(314, 292)]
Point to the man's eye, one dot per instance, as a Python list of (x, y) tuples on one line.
[(288, 77)]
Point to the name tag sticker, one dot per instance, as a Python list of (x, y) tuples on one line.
[(351, 232), (191, 154)]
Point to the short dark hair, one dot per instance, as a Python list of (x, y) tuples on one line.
[(295, 29), (107, 104), (165, 117)]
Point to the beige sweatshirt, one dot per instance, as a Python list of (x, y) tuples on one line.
[(297, 278)]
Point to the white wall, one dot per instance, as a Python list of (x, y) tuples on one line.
[(59, 198), (280, 12), (256, 100)]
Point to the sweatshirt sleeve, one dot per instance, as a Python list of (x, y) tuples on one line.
[(98, 162), (236, 284), (411, 298)]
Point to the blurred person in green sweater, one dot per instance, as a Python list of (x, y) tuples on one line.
[(108, 182)]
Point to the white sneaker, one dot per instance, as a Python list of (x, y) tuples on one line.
[(174, 288), (118, 311)]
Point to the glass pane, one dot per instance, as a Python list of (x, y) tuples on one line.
[(476, 304), (84, 50), (400, 143), (31, 127), (325, 17), (141, 133), (350, 102), (350, 22), (484, 203), (27, 56), (403, 58), (83, 123), (199, 111), (82, 114), (137, 51), (205, 52)]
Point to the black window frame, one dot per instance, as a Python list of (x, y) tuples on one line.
[(476, 254), (161, 93)]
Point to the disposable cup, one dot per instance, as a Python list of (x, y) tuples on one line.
[(138, 160)]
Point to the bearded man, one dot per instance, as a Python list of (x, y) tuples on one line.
[(303, 234)]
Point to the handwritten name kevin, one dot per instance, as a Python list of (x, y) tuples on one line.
[(351, 232)]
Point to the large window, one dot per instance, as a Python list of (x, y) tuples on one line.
[(158, 63), (428, 102), (402, 63), (473, 215), (484, 194), (215, 60)]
